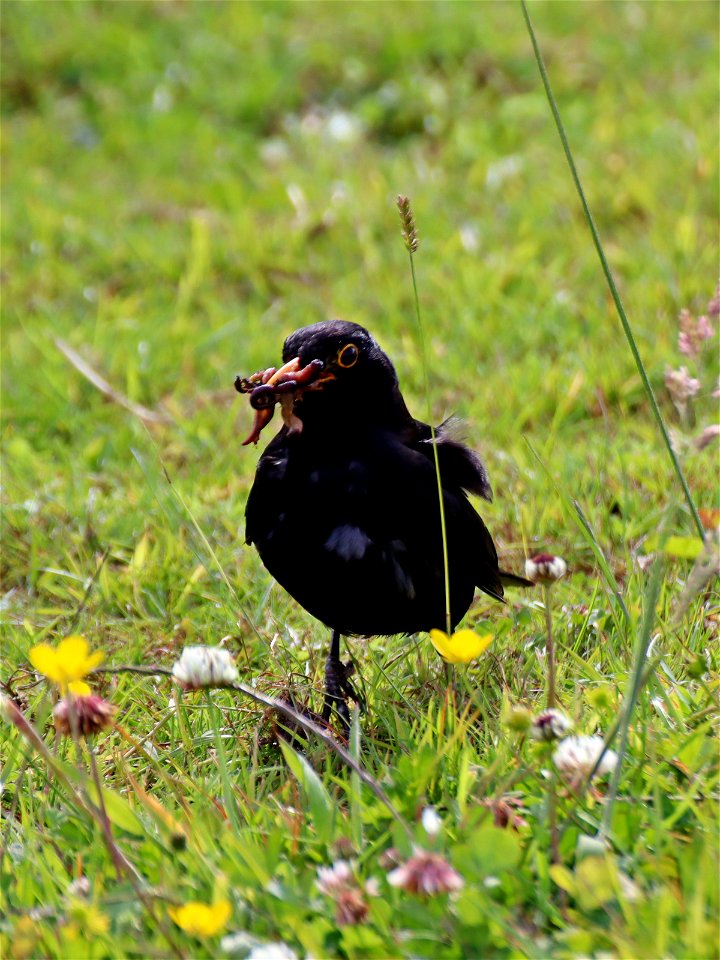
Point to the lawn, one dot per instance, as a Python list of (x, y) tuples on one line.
[(186, 183)]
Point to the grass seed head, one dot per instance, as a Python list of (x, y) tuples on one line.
[(693, 333), (681, 386), (713, 307), (409, 230)]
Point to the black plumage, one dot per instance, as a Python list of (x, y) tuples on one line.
[(344, 510)]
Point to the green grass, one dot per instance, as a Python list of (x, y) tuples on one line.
[(176, 200)]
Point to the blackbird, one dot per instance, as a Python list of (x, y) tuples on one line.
[(344, 509)]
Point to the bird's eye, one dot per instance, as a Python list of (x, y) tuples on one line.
[(348, 356)]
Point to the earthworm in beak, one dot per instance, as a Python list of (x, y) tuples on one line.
[(262, 419), (271, 386), (292, 366)]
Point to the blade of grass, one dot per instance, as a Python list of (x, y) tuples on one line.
[(635, 685), (355, 796), (411, 244), (101, 384), (229, 798), (602, 560), (609, 277)]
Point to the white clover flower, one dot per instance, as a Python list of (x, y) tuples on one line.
[(545, 568), (332, 880), (576, 756), (680, 385), (272, 951), (339, 882), (426, 874), (372, 887), (80, 887), (91, 715), (205, 667), (550, 725), (432, 824), (241, 942), (351, 908)]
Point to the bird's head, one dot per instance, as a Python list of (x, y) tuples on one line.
[(332, 371)]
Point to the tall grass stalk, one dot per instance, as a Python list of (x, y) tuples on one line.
[(609, 277), (635, 685), (551, 694), (229, 797), (411, 244)]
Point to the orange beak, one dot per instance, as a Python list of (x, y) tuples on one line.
[(292, 366)]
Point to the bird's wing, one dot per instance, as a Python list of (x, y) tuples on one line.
[(470, 544), (462, 467), (262, 501), (459, 465)]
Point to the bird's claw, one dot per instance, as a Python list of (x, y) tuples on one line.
[(348, 688), (338, 688)]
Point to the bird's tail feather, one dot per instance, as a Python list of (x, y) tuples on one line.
[(513, 580)]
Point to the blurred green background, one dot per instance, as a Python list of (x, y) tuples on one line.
[(186, 183)]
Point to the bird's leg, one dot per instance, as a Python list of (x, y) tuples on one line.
[(338, 686), (334, 682), (349, 688)]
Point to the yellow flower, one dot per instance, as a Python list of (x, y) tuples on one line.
[(201, 920), (25, 938), (462, 647), (87, 919), (67, 664)]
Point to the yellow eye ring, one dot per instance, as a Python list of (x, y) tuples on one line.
[(348, 356)]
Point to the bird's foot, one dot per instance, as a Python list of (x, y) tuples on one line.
[(338, 688), (348, 688)]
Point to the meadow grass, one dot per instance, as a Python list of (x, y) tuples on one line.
[(183, 186)]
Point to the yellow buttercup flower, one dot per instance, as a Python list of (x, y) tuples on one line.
[(201, 919), (67, 664), (462, 647), (87, 919)]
